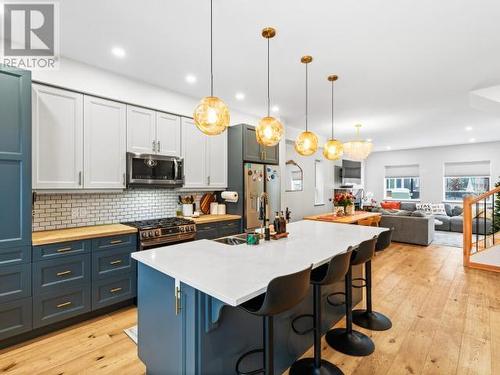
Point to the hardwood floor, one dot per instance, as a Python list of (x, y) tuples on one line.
[(446, 320)]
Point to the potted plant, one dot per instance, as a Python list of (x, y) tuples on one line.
[(345, 200)]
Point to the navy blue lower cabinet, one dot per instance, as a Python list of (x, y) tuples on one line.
[(60, 250), (129, 240), (15, 255), (112, 262), (15, 282), (111, 290), (59, 274), (53, 307), (15, 317), (201, 335), (229, 228), (206, 231)]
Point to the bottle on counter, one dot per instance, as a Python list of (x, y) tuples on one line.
[(283, 223), (288, 215), (276, 222)]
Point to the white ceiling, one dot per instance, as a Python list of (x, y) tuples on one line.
[(406, 67)]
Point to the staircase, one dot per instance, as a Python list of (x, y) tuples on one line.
[(481, 232)]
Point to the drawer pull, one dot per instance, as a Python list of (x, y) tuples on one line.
[(63, 273), (118, 261), (113, 242), (114, 290), (64, 249), (61, 305)]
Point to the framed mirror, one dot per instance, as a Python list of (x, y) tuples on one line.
[(294, 176)]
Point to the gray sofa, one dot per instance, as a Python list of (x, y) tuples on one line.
[(410, 229)]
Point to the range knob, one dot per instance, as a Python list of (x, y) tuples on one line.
[(181, 229), (157, 232), (151, 233), (144, 235)]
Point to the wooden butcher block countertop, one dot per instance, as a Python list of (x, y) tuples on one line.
[(205, 219), (81, 233)]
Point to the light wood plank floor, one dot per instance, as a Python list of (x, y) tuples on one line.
[(446, 320)]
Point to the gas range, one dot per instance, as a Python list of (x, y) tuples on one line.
[(162, 232)]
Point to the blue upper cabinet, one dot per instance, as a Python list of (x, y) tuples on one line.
[(15, 157)]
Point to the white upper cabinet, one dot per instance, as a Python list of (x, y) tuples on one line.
[(194, 153), (141, 130), (57, 120), (217, 160), (205, 158), (168, 134), (105, 126)]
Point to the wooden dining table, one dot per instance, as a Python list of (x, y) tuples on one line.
[(348, 219)]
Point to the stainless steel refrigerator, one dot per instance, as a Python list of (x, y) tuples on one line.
[(260, 178)]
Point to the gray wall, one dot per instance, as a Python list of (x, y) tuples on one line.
[(431, 161)]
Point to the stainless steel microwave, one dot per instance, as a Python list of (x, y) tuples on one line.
[(149, 170)]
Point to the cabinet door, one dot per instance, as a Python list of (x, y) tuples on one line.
[(194, 152), (168, 134), (217, 161), (105, 126), (270, 154), (15, 167), (251, 149), (141, 130), (57, 138)]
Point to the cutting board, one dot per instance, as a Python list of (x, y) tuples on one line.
[(205, 201)]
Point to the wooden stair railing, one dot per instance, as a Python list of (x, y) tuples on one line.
[(488, 239)]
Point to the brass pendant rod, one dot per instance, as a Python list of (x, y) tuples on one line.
[(307, 97), (268, 89), (332, 112), (211, 51)]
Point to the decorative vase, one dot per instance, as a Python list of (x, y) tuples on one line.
[(339, 211), (349, 210)]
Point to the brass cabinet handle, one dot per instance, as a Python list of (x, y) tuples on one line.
[(63, 273), (64, 249), (118, 261), (114, 290), (63, 304), (177, 300), (115, 241)]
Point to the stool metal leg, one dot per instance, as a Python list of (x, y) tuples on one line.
[(346, 340), (368, 318), (316, 365), (268, 345)]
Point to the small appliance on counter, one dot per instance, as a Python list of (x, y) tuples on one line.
[(154, 171)]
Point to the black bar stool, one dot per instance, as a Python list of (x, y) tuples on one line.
[(346, 340), (282, 294), (326, 274), (367, 318)]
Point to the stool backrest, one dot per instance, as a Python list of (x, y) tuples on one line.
[(364, 252), (337, 268), (366, 222), (384, 240), (285, 292), (376, 221)]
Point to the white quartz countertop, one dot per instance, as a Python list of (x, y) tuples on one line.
[(235, 274)]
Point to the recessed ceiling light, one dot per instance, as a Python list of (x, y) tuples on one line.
[(118, 52), (468, 128), (275, 108), (369, 140), (472, 140), (389, 148), (191, 78), (240, 96)]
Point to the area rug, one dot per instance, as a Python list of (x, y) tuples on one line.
[(132, 333), (452, 239)]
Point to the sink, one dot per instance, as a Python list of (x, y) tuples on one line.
[(232, 240)]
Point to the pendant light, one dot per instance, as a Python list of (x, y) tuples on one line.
[(306, 143), (211, 115), (270, 130), (333, 149), (358, 149)]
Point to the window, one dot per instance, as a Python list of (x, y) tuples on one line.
[(402, 182), (319, 184), (465, 178), (456, 188)]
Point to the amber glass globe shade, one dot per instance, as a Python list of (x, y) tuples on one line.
[(211, 116), (306, 143), (333, 149), (269, 131)]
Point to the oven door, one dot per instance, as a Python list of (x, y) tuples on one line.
[(152, 244), (154, 170)]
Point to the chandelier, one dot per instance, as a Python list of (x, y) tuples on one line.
[(358, 149)]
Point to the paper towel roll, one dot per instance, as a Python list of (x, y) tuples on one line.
[(230, 196)]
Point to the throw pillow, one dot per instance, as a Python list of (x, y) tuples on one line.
[(438, 209), (457, 211), (449, 209), (427, 207), (391, 205)]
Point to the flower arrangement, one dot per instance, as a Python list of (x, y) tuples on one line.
[(344, 199)]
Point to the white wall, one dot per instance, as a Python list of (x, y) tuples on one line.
[(431, 161), (81, 77)]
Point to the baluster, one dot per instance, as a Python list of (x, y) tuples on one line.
[(485, 235), (476, 222)]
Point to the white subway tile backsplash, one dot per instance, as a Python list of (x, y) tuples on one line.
[(58, 211)]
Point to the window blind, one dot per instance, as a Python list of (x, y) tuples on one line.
[(469, 168), (412, 170)]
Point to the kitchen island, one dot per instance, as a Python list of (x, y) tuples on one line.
[(188, 296)]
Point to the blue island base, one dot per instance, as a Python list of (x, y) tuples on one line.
[(203, 336)]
